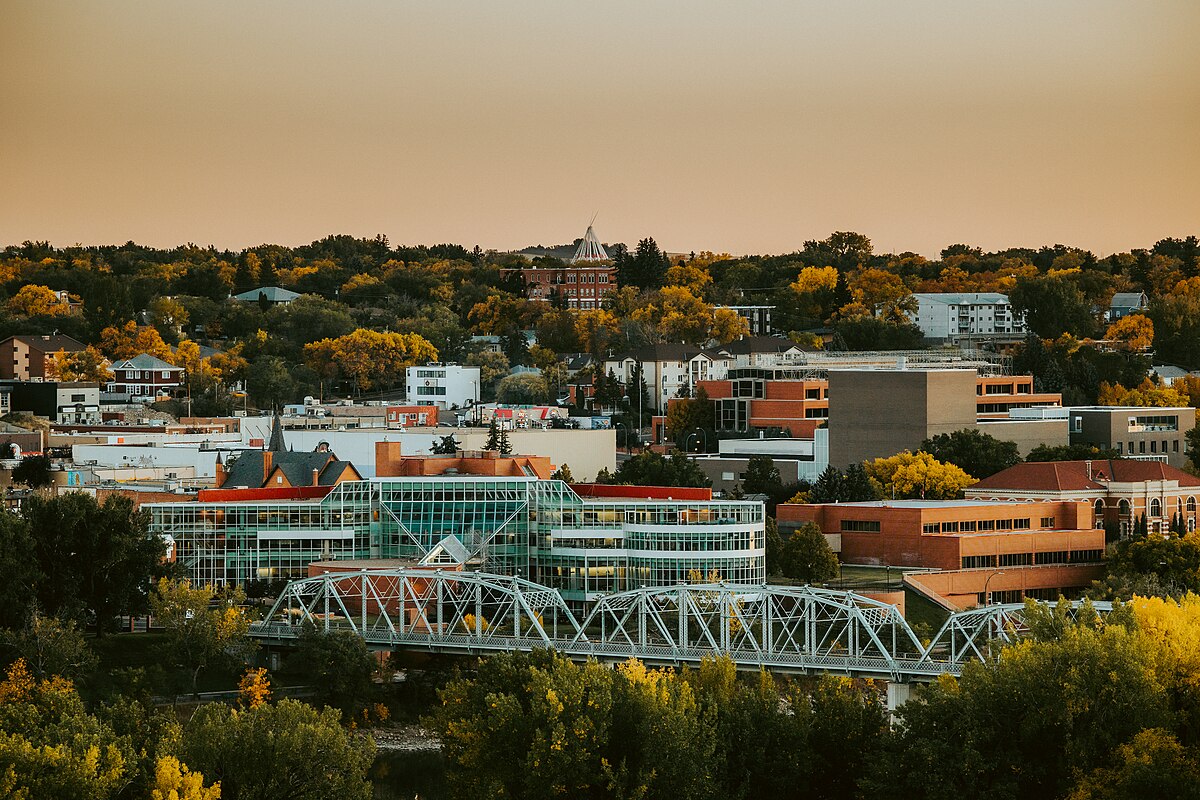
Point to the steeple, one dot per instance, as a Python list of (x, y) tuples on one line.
[(589, 249), (276, 445)]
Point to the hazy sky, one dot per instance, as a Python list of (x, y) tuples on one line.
[(740, 126)]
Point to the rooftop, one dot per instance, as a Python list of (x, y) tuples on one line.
[(1075, 476)]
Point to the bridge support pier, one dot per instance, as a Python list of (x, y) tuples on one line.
[(897, 695)]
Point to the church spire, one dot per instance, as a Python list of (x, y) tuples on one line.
[(276, 445)]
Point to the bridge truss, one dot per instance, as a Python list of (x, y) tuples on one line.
[(801, 629)]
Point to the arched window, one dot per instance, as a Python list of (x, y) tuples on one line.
[(1155, 507), (1191, 505), (1123, 508), (1099, 509)]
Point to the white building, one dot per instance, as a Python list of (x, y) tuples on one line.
[(443, 385), (948, 315)]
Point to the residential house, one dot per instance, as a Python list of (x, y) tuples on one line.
[(273, 295), (1125, 303), (144, 379)]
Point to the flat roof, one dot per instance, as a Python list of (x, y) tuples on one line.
[(924, 503)]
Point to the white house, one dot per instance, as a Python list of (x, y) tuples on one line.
[(443, 385), (946, 315)]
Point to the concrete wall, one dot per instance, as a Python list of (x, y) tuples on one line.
[(1027, 433), (878, 413)]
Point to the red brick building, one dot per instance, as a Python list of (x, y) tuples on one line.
[(581, 286), (1008, 550), (412, 416), (24, 358)]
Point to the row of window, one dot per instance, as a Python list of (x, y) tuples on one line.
[(1030, 559), (971, 526)]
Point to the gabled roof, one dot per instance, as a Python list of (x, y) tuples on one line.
[(1074, 476), (1128, 300), (274, 294), (50, 343), (760, 344), (146, 361), (247, 469)]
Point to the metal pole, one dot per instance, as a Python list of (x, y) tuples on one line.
[(987, 598)]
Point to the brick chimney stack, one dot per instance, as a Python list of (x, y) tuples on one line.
[(268, 462)]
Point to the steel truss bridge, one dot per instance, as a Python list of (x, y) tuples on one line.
[(802, 629)]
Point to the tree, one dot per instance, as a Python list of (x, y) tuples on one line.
[(690, 415), (38, 301), (33, 471), (774, 548), (918, 475), (827, 488), (272, 384), (19, 574), (96, 560), (174, 781), (807, 556), (254, 688), (131, 340), (505, 446), (1152, 764), (1133, 332), (51, 647), (50, 747), (1053, 305), (288, 749), (522, 389), (654, 469), (857, 486), (1069, 452), (446, 446), (563, 473), (976, 453), (369, 358), (338, 665), (871, 333), (88, 365), (762, 476), (493, 439), (200, 635)]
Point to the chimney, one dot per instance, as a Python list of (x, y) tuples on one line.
[(268, 459), (1088, 464), (316, 477), (387, 459)]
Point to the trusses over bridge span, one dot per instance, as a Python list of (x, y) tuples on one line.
[(790, 628)]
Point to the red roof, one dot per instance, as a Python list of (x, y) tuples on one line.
[(1074, 476), (642, 492), (269, 493)]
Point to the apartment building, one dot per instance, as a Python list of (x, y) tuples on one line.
[(24, 358), (445, 386), (580, 286), (950, 315), (982, 550)]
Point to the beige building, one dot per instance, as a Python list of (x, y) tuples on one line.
[(1157, 434), (875, 413), (24, 358)]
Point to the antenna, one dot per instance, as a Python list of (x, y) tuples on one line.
[(593, 222)]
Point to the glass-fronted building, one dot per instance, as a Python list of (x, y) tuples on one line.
[(539, 529)]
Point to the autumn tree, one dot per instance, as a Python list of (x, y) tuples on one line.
[(132, 339), (1148, 393), (32, 300), (338, 665), (51, 646), (918, 475), (174, 781), (524, 388), (1133, 332), (254, 688), (368, 358), (691, 415), (88, 364)]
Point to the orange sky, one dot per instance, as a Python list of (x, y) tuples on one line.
[(747, 127)]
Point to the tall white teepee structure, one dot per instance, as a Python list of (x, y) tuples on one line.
[(589, 249)]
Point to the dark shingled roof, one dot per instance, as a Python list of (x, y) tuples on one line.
[(298, 468)]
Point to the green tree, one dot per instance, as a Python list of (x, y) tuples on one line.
[(1053, 305), (289, 749), (33, 471), (654, 469), (827, 488), (1069, 452), (1152, 764), (505, 446), (493, 439), (857, 486), (691, 416), (338, 665), (96, 560), (51, 647), (563, 473), (271, 383), (978, 454), (807, 556), (204, 629), (525, 388), (445, 446), (762, 476), (774, 548), (19, 575)]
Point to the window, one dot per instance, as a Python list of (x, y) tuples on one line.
[(1086, 556), (1099, 511), (949, 527), (860, 525), (812, 394), (1015, 559), (1191, 505), (166, 373), (977, 562), (930, 527), (1155, 507), (1054, 557), (1047, 522)]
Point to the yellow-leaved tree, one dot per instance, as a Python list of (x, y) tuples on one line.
[(370, 359), (1148, 393), (131, 340), (918, 475), (1134, 332), (88, 364), (254, 688), (174, 781), (32, 300), (596, 328)]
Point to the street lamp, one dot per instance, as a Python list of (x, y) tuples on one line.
[(625, 427), (687, 448), (987, 598)]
